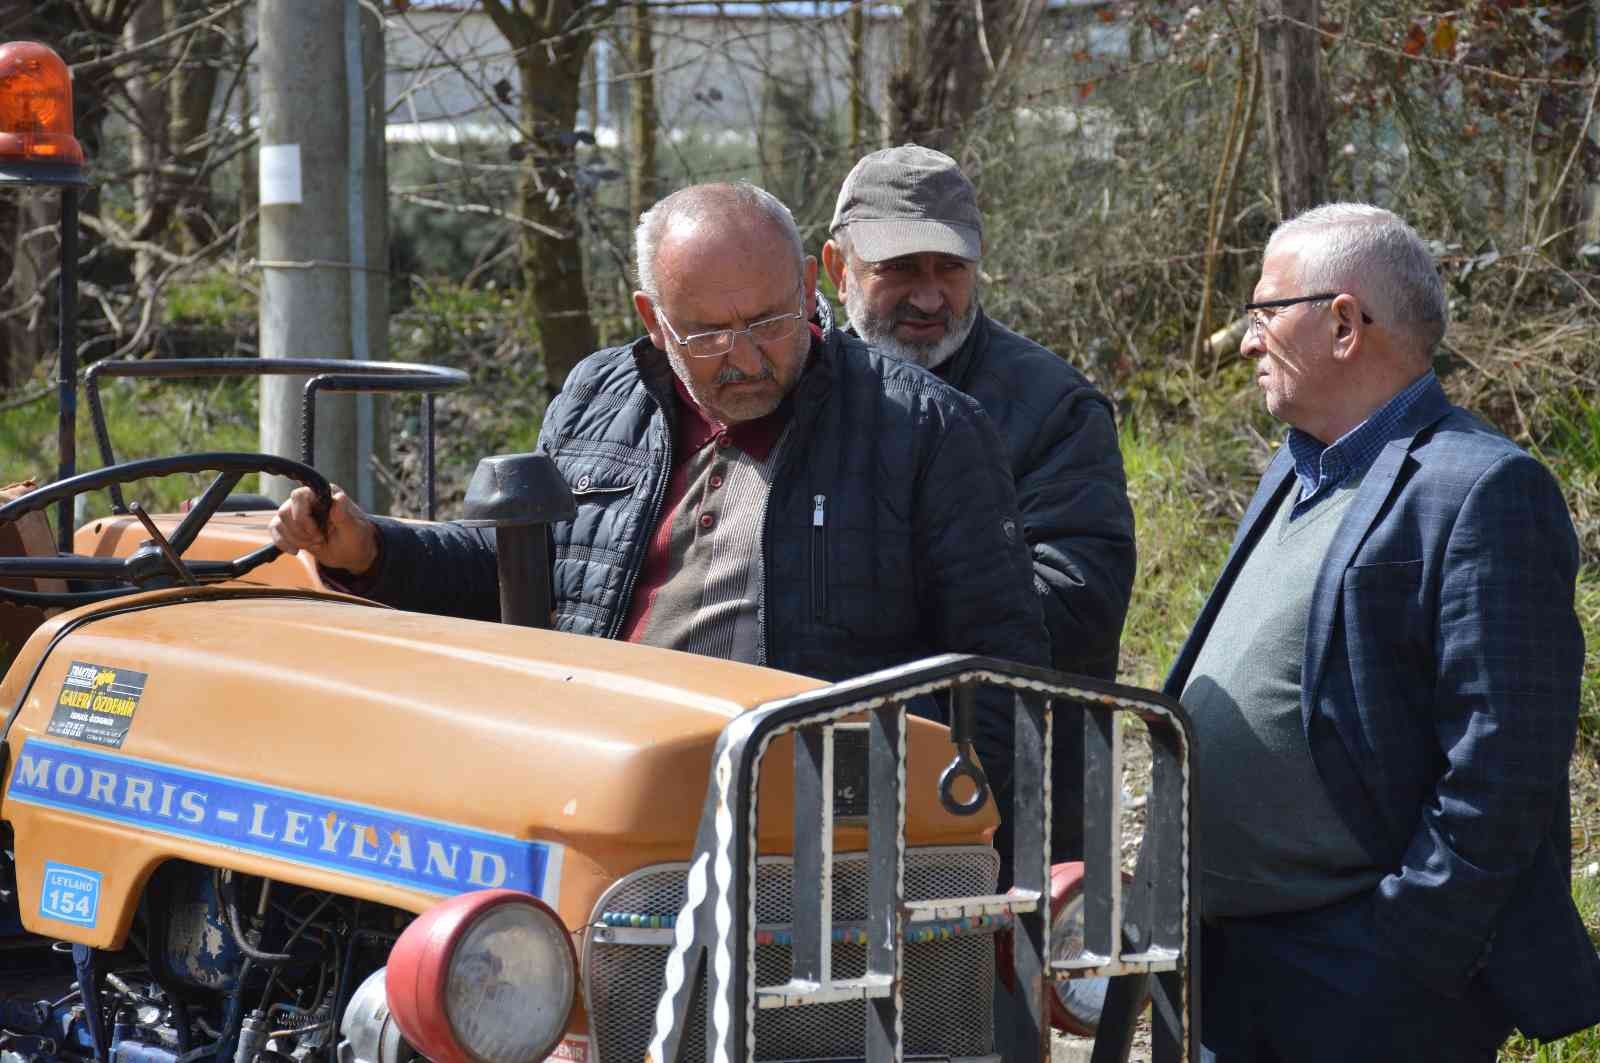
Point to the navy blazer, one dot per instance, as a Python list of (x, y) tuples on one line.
[(1440, 702)]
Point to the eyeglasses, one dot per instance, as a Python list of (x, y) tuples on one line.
[(718, 342), (1258, 320)]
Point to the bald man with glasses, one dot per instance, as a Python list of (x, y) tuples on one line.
[(748, 486)]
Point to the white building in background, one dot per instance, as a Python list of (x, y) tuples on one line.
[(715, 66)]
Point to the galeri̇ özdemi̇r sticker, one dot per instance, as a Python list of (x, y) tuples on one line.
[(97, 703)]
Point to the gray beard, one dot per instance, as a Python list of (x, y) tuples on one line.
[(879, 331)]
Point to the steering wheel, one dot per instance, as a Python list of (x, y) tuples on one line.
[(159, 561)]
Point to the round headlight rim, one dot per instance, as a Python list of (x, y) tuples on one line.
[(420, 963), (467, 924)]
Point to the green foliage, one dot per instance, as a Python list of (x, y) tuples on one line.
[(144, 420), (1572, 450), (480, 330), (1188, 482), (483, 331), (427, 237), (1581, 1047), (1576, 431), (215, 299)]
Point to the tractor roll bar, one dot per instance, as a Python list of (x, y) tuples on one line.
[(332, 375), (1144, 935)]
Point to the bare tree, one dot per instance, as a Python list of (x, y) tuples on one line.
[(642, 117), (1297, 111), (196, 69), (858, 89), (1565, 156), (957, 57), (938, 53), (551, 39)]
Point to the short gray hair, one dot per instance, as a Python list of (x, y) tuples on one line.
[(698, 202), (841, 239), (1356, 247)]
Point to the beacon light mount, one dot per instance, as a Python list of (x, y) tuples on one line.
[(38, 148), (37, 144)]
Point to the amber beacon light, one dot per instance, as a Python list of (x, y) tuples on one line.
[(35, 108)]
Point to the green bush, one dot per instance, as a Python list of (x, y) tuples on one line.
[(215, 299), (482, 331)]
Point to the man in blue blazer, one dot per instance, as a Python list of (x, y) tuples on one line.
[(1384, 686)]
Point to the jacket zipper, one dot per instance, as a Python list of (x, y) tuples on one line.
[(799, 424), (819, 556), (761, 600)]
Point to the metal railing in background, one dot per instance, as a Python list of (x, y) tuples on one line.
[(332, 375), (1142, 937)]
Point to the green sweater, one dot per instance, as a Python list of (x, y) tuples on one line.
[(1270, 839)]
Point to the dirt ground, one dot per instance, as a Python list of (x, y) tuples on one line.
[(1135, 785)]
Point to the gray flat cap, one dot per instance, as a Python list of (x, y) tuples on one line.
[(907, 201)]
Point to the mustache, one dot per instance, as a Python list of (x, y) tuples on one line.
[(730, 375), (907, 312)]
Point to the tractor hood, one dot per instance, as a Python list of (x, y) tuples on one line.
[(350, 738)]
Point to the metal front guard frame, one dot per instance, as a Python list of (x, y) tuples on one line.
[(1144, 938)]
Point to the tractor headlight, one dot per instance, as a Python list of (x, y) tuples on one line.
[(1076, 1003), (485, 977)]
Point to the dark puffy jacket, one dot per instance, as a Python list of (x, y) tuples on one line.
[(920, 551), (1061, 446), (1061, 442)]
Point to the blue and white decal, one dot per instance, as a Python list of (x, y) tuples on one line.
[(70, 894), (322, 832)]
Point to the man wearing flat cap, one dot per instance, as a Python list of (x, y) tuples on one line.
[(907, 237)]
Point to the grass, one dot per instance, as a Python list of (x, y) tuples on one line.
[(1189, 481), (144, 420), (212, 300), (1182, 540), (475, 329), (499, 412), (1588, 606)]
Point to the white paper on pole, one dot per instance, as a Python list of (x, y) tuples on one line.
[(280, 174)]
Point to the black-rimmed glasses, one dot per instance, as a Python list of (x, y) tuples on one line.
[(1258, 320), (717, 342)]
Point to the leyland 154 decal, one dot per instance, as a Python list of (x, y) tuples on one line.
[(305, 828)]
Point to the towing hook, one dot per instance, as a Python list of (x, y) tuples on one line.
[(963, 766)]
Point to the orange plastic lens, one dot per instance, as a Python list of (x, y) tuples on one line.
[(35, 106)]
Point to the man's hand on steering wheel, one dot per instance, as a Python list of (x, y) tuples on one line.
[(347, 539)]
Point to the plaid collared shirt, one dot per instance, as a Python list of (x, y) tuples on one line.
[(1321, 468)]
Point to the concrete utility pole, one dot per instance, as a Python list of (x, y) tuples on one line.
[(324, 235)]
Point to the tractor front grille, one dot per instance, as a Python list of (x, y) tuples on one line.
[(949, 984)]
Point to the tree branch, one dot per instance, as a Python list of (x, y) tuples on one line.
[(98, 66)]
